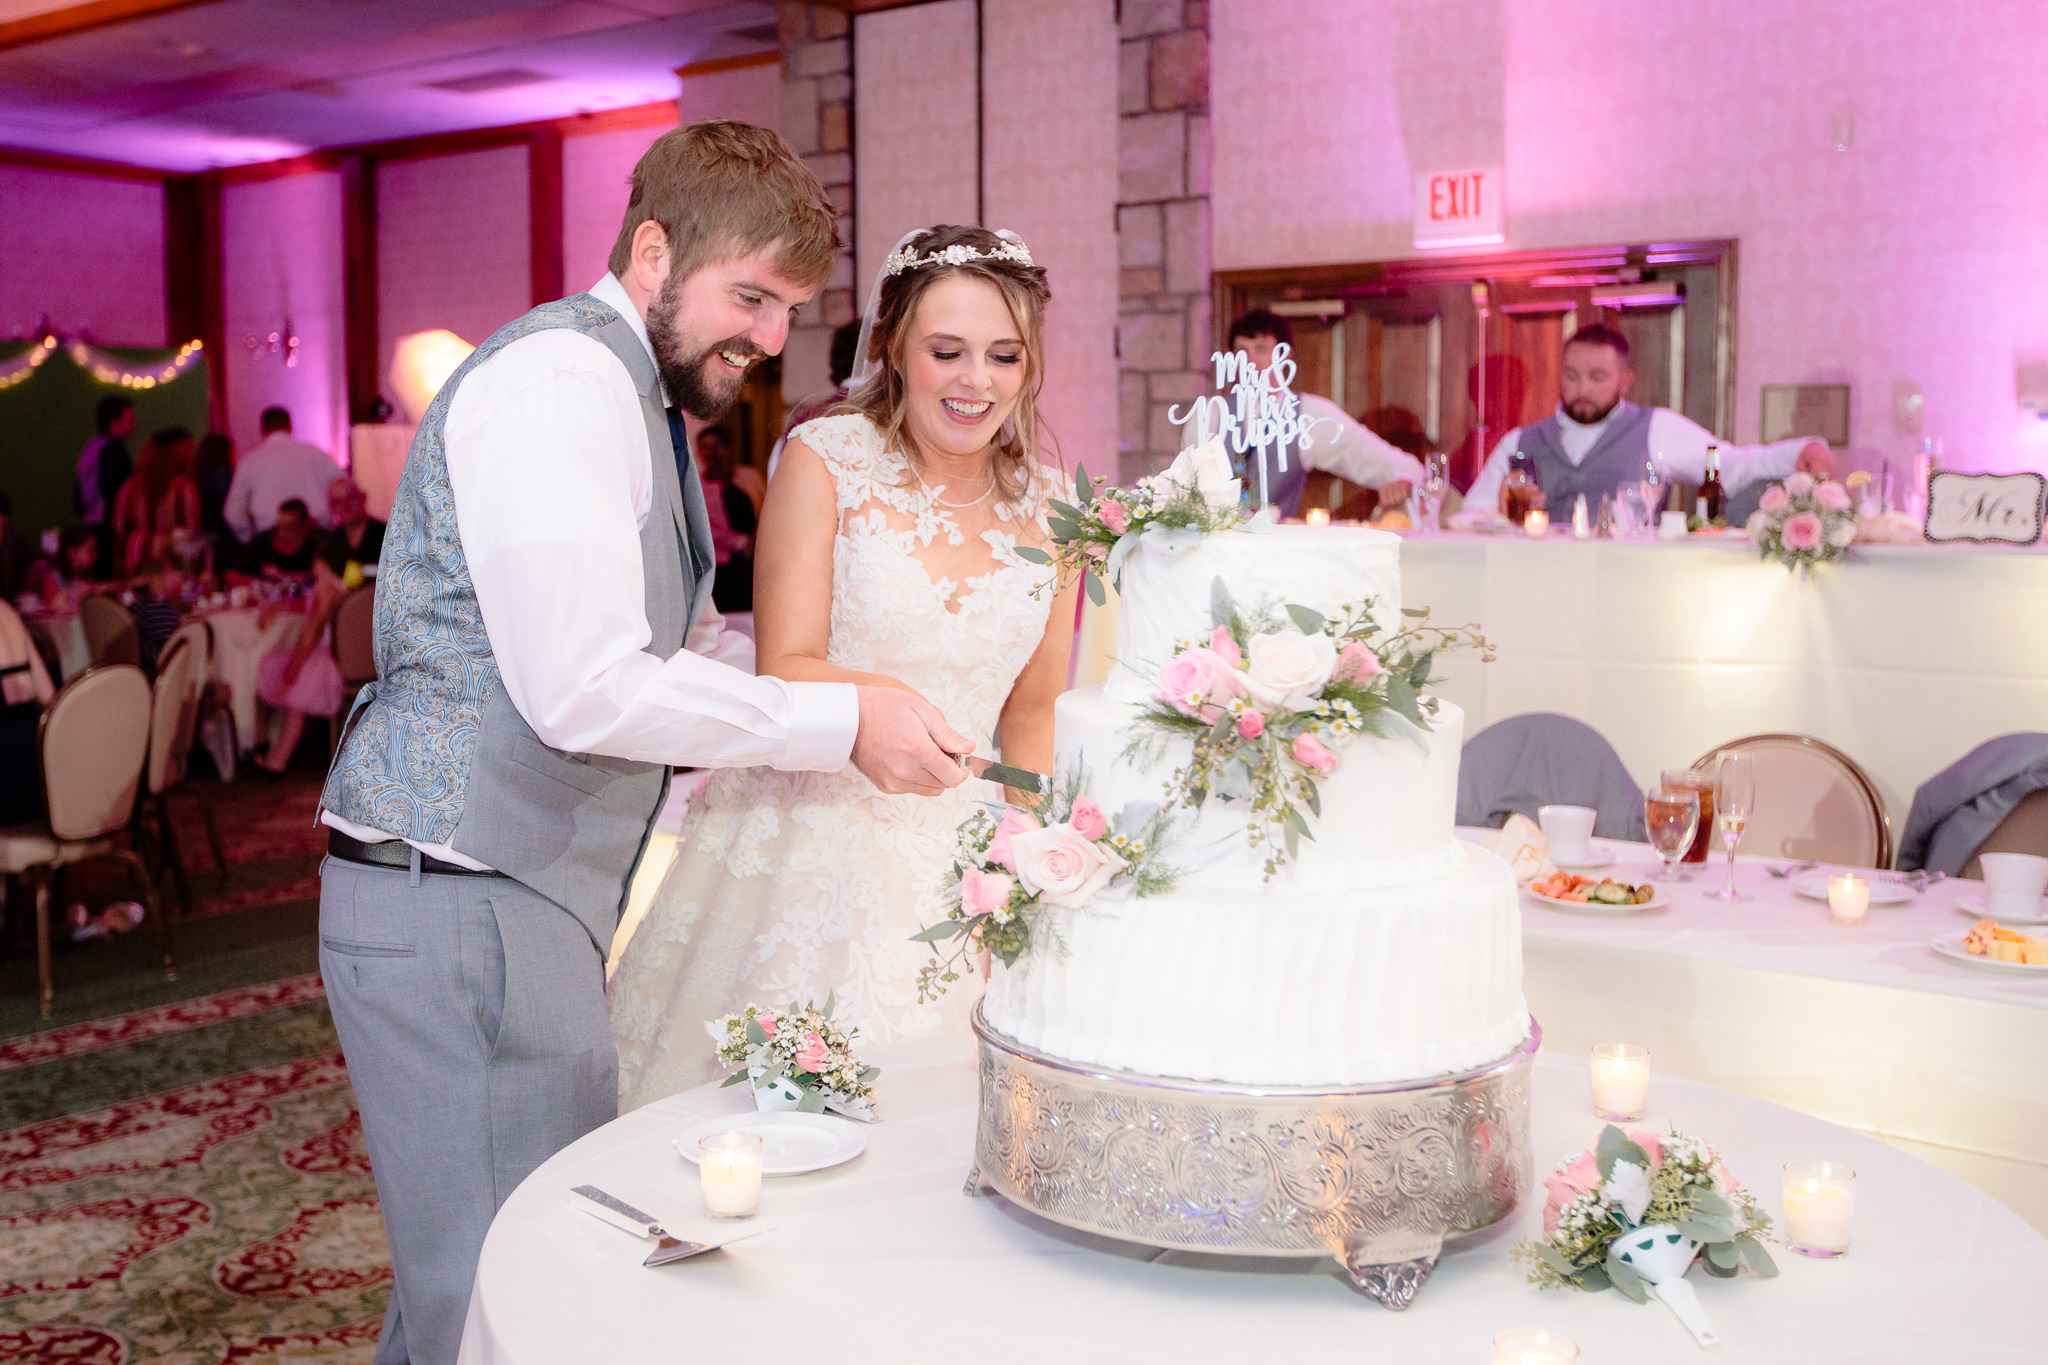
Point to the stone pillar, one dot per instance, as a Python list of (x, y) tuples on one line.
[(817, 118), (1162, 222)]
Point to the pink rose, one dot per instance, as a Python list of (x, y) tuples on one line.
[(1799, 485), (1251, 725), (1773, 501), (1225, 646), (1832, 496), (1088, 820), (1803, 531), (767, 1023), (1567, 1185), (984, 893), (1286, 669), (1651, 1144), (1015, 822), (1095, 550), (811, 1053), (1060, 867), (1311, 752), (1356, 664), (1114, 515), (1196, 681)]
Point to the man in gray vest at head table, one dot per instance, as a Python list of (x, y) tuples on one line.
[(1597, 440), (545, 653)]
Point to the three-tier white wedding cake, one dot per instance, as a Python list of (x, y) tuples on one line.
[(1384, 950)]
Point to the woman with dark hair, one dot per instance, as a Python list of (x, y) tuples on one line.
[(158, 501), (887, 557)]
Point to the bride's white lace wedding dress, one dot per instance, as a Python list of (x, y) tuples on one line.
[(788, 886)]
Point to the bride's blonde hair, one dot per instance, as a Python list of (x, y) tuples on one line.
[(881, 397)]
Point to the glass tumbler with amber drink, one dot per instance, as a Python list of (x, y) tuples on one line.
[(1673, 818), (1700, 784)]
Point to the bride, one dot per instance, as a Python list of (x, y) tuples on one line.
[(886, 556)]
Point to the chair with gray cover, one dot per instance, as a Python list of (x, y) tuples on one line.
[(1516, 765), (1993, 799)]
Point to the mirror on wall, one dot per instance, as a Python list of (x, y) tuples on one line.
[(1398, 343)]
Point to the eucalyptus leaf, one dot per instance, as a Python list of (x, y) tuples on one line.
[(1724, 1254), (831, 1000), (1031, 554), (812, 1103), (940, 932), (1222, 608), (733, 1079), (868, 1076), (1707, 1267), (1083, 489), (771, 1075), (1417, 612), (1615, 1146), (1756, 1256), (1065, 509), (1593, 1279), (1709, 1201), (755, 1034), (1313, 797), (1402, 701), (1625, 1277), (1306, 619), (1094, 587), (1555, 1259)]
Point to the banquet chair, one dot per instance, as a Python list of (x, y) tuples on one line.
[(173, 723), (91, 746), (2023, 830), (1812, 801), (1965, 809), (112, 635), (1516, 765), (353, 637)]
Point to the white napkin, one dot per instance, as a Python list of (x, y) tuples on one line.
[(1522, 846)]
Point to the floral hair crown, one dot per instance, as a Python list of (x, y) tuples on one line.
[(906, 258)]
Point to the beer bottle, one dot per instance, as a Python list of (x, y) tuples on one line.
[(1712, 500)]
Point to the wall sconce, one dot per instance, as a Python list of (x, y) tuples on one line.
[(283, 342)]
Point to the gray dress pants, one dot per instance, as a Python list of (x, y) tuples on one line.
[(471, 1012)]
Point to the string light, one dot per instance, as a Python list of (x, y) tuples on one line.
[(14, 371), (108, 370)]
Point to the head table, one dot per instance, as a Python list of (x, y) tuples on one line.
[(886, 1260)]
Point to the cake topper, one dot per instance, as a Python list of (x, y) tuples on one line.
[(1261, 411)]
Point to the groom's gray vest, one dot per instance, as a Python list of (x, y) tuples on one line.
[(1617, 458), (436, 752)]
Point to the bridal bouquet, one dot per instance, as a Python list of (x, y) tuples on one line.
[(1802, 522), (1196, 495), (1006, 871), (1272, 697), (1602, 1201), (797, 1059)]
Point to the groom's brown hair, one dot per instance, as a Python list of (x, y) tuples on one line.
[(722, 189)]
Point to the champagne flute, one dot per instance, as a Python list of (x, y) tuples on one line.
[(1673, 817), (1734, 801)]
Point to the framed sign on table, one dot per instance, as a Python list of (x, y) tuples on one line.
[(2004, 509)]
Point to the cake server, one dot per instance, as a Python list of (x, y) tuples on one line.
[(616, 1211), (1023, 779)]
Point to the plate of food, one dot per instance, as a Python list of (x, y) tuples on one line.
[(1581, 895), (1995, 948), (1883, 891), (1977, 907)]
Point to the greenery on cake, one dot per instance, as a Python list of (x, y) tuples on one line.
[(1008, 870), (1272, 697)]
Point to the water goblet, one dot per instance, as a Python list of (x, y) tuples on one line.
[(1734, 802), (1673, 817), (1631, 512)]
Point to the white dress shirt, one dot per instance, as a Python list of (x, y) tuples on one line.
[(549, 463), (1677, 443), (271, 473), (1350, 451)]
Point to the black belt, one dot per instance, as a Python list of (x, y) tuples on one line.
[(396, 854)]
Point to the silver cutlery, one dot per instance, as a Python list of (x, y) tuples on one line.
[(667, 1250), (1792, 869)]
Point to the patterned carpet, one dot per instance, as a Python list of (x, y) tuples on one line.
[(187, 1183)]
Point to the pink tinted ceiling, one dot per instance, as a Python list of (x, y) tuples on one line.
[(234, 81)]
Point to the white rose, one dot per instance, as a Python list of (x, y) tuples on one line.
[(1206, 469), (1286, 668), (1842, 533), (1062, 868)]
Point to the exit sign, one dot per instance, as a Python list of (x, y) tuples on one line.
[(1460, 208)]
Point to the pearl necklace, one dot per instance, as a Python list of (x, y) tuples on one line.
[(941, 502)]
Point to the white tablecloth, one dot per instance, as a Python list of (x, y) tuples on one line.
[(239, 645), (885, 1260)]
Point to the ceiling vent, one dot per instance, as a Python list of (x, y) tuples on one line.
[(504, 79)]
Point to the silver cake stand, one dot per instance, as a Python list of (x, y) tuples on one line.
[(1375, 1175)]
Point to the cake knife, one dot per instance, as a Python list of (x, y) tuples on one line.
[(616, 1211), (1023, 779)]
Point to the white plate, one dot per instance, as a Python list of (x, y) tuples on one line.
[(1977, 905), (1658, 900), (1814, 886), (1951, 946), (1597, 857), (791, 1143)]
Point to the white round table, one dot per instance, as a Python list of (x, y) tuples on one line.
[(885, 1259), (240, 642)]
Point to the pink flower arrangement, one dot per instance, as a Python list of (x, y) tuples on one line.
[(767, 1023), (1015, 822), (1114, 515), (984, 893), (1225, 646), (1803, 531), (1311, 752), (1199, 682), (812, 1053), (1804, 521), (1356, 664), (1799, 485), (1087, 819), (1565, 1186), (1250, 724), (1774, 499), (1832, 496), (1060, 867)]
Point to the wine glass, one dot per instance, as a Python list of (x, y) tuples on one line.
[(1632, 511), (1734, 801), (1673, 818)]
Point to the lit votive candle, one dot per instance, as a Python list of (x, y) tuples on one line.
[(1536, 525), (1820, 1205), (1848, 898), (1534, 1346), (1621, 1081), (729, 1165), (1317, 516)]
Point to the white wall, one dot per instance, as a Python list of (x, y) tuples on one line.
[(453, 246), (281, 258), (86, 250)]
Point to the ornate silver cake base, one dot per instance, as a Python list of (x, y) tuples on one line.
[(1377, 1176)]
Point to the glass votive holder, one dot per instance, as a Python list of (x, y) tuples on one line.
[(1848, 898), (729, 1168), (1317, 516), (1621, 1081), (1534, 1346), (1820, 1206), (1536, 525)]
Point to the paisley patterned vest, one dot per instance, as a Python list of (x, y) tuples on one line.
[(1616, 458), (435, 751)]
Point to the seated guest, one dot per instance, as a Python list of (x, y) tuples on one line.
[(158, 503), (732, 514), (157, 618), (25, 689), (303, 680), (1597, 441), (61, 581), (1338, 445), (16, 552), (276, 470), (286, 550), (356, 537)]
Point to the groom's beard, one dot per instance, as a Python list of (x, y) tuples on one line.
[(1586, 411), (686, 369)]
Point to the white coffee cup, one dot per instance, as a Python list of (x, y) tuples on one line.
[(2013, 883), (1570, 832)]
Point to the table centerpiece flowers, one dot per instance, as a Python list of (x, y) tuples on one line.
[(1803, 521), (797, 1058)]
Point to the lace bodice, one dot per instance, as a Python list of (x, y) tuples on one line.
[(911, 598)]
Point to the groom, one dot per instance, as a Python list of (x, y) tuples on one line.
[(545, 652)]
